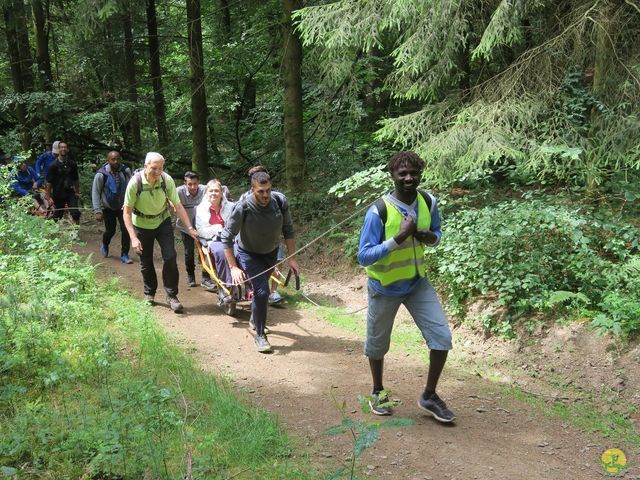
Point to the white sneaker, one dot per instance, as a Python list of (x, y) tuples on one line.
[(275, 298), (75, 235)]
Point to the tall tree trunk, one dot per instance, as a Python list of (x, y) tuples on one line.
[(199, 158), (225, 17), (130, 72), (602, 82), (45, 77), (156, 74), (604, 55), (26, 60), (10, 13), (292, 80)]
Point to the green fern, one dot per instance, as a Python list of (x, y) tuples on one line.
[(562, 296)]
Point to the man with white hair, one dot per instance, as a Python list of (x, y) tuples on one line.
[(148, 200)]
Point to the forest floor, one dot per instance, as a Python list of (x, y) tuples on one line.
[(315, 365)]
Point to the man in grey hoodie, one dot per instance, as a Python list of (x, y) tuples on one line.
[(259, 221)]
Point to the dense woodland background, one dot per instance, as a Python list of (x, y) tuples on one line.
[(527, 113), (529, 90)]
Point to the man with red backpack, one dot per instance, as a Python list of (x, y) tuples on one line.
[(107, 195)]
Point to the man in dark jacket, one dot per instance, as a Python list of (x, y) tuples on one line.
[(107, 196), (63, 185)]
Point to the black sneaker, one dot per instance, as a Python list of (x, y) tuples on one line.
[(263, 344), (208, 284), (175, 304), (149, 299), (380, 403), (436, 407), (191, 281)]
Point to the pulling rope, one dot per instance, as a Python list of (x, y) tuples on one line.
[(307, 245)]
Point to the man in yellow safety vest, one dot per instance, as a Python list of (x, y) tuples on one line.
[(395, 232)]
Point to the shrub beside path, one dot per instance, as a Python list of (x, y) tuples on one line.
[(315, 364)]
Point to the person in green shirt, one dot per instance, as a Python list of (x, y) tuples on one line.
[(148, 201)]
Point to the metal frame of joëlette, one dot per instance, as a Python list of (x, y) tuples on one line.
[(207, 264)]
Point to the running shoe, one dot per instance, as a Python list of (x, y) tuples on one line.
[(380, 403), (275, 298), (436, 407), (263, 344)]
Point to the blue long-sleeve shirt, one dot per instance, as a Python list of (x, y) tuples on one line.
[(374, 247), (42, 165), (23, 183)]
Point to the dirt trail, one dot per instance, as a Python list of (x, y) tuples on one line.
[(493, 437)]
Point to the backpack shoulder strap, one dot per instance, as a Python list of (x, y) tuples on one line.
[(163, 182), (381, 206), (138, 177), (245, 208), (126, 172), (427, 198), (277, 197)]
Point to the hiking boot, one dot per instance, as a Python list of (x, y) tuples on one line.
[(191, 281), (380, 403), (175, 304), (436, 407), (149, 299), (208, 284), (125, 259), (263, 344), (104, 250), (275, 298), (252, 325)]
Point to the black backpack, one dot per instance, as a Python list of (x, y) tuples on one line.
[(382, 206)]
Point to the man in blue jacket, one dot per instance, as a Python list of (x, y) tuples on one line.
[(26, 179), (44, 162), (395, 231)]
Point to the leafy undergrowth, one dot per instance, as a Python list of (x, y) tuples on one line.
[(544, 255), (90, 387)]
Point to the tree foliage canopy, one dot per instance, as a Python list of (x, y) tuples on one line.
[(539, 88)]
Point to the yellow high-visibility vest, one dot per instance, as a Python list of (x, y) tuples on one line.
[(406, 261)]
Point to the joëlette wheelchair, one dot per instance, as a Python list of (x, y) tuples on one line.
[(239, 294)]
